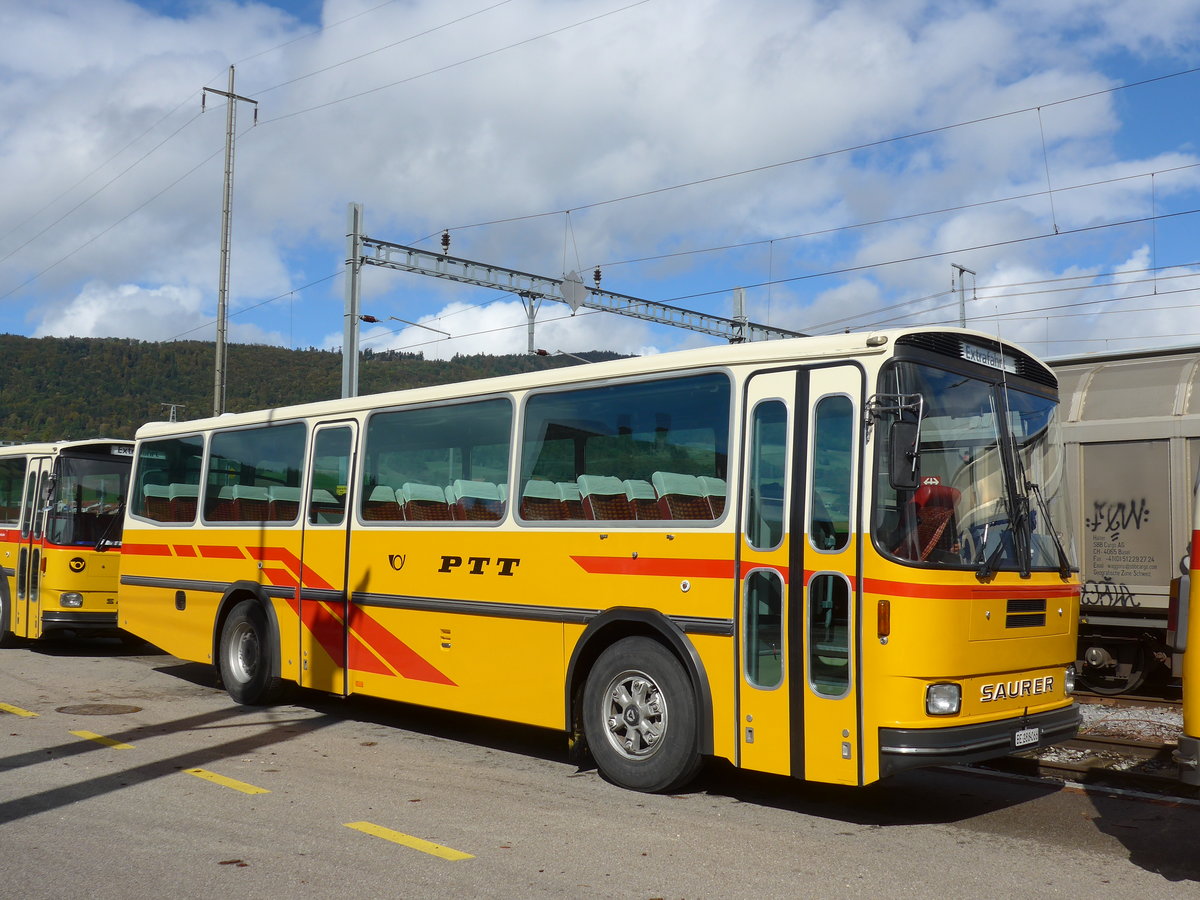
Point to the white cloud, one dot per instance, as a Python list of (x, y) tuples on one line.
[(663, 94), (150, 314)]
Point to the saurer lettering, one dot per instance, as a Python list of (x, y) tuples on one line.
[(1004, 690)]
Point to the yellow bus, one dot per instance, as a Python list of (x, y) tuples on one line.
[(1186, 630), (60, 536), (832, 558)]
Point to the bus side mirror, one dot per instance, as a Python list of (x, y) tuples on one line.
[(903, 470)]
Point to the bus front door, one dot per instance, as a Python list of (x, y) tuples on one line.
[(323, 596), (797, 695), (27, 613), (830, 699), (767, 582)]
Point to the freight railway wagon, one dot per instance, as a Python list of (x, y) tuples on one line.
[(831, 558), (60, 536), (1131, 425)]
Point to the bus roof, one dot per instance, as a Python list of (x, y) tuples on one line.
[(52, 448), (836, 346)]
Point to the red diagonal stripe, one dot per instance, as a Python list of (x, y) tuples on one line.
[(406, 661)]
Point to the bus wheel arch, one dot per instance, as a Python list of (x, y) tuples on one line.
[(643, 651), (246, 646)]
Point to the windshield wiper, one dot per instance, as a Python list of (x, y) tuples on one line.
[(1017, 524), (102, 542), (1064, 563)]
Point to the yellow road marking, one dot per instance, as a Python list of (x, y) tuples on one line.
[(408, 840), (17, 711), (226, 782), (101, 739)]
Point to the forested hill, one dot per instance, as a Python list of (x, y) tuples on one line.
[(68, 388)]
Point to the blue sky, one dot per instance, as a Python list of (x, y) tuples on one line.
[(562, 122)]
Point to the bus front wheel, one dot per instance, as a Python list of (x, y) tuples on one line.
[(639, 717), (7, 638), (244, 659)]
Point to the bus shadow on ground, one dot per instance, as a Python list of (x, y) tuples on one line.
[(922, 797), (1159, 835), (524, 740)]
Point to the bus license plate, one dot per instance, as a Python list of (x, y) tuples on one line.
[(1025, 737)]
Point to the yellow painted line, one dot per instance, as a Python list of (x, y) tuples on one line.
[(408, 840), (226, 782), (17, 711), (101, 739)]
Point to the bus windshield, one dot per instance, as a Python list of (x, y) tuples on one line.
[(86, 499), (986, 486)]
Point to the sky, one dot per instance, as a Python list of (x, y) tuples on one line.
[(1030, 167)]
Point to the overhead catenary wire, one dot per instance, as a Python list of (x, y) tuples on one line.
[(770, 281), (869, 145)]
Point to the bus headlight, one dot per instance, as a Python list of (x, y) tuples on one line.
[(943, 699), (1069, 679), (71, 600)]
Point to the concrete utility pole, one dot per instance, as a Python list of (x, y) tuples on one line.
[(353, 301), (226, 217)]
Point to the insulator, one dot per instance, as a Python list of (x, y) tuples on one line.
[(446, 241), (596, 277)]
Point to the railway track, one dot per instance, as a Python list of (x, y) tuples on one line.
[(1126, 745)]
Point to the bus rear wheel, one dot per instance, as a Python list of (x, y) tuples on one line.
[(244, 658), (639, 717)]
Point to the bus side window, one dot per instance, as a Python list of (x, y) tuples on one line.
[(768, 467), (645, 450), (166, 479), (12, 477), (330, 476), (245, 465), (437, 463), (832, 479)]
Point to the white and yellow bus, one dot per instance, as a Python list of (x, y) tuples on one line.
[(60, 536), (833, 558), (1185, 629)]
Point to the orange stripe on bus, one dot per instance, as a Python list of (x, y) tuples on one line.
[(146, 549), (675, 568), (289, 559), (184, 549), (717, 568), (220, 551), (967, 592)]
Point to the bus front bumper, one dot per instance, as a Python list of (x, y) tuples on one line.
[(901, 749), (79, 622)]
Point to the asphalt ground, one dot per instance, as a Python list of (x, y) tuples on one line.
[(130, 774)]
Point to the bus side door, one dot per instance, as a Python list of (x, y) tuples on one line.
[(767, 583), (27, 613), (323, 596), (831, 698)]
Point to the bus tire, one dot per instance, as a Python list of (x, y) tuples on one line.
[(244, 657), (639, 717), (7, 638)]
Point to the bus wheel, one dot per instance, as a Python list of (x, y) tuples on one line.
[(244, 657), (639, 717), (7, 638)]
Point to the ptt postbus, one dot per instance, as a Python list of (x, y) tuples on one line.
[(1185, 629), (60, 536), (833, 558)]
